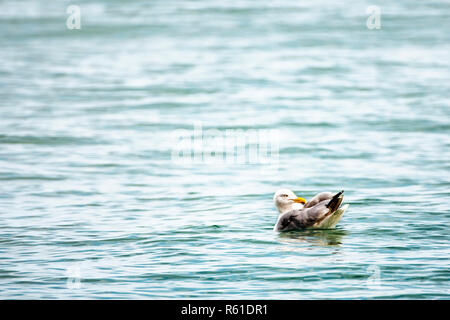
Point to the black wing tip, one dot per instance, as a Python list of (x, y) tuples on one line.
[(338, 194), (336, 201)]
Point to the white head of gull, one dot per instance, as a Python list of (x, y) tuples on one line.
[(285, 200)]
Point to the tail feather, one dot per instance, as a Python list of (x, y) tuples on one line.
[(336, 201)]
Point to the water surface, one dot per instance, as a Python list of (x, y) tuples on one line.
[(92, 206)]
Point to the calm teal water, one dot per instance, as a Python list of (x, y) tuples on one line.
[(92, 205)]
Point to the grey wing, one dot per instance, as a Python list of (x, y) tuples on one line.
[(318, 198), (301, 219), (324, 208), (319, 212), (290, 221)]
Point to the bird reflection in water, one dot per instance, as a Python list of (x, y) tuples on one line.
[(322, 238)]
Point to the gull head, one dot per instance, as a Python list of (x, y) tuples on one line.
[(285, 200)]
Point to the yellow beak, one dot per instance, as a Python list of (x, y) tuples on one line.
[(299, 200)]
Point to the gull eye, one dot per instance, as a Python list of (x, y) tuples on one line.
[(285, 195)]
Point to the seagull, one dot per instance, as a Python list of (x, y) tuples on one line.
[(321, 212)]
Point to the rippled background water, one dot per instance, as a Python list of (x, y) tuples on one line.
[(93, 207)]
